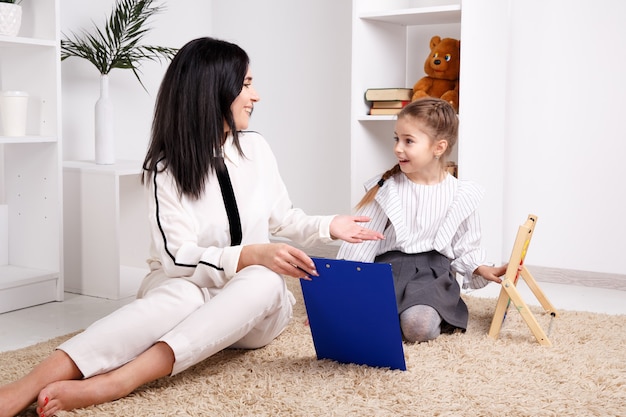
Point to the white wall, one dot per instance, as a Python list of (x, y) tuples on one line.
[(300, 59), (565, 139), (182, 21), (543, 130)]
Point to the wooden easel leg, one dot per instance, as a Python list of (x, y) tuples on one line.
[(541, 297), (498, 316), (527, 315)]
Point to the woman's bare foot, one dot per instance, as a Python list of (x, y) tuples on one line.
[(152, 364), (70, 395), (18, 395), (14, 398)]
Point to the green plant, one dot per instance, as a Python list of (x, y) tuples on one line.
[(117, 45)]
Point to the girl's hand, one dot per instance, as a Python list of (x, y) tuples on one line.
[(348, 228), (280, 258), (491, 273)]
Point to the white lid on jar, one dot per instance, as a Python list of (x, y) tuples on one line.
[(13, 93)]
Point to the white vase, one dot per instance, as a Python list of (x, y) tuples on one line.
[(10, 19), (105, 141)]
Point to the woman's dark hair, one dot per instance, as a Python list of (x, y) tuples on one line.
[(202, 81)]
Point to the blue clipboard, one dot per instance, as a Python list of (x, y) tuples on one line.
[(353, 314)]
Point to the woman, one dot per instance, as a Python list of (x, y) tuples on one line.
[(214, 197)]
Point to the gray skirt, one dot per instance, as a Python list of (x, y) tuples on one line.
[(427, 279)]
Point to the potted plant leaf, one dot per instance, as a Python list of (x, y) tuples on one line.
[(116, 45), (10, 17)]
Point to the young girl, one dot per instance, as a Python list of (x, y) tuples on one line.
[(430, 223), (216, 281)]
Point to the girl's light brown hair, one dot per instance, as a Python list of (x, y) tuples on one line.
[(439, 120)]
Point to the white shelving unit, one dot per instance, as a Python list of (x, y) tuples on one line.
[(31, 270), (106, 232), (390, 42)]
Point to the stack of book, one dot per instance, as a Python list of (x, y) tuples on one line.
[(385, 101), (452, 168)]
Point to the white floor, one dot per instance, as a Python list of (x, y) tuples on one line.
[(35, 324), (567, 297), (31, 325)]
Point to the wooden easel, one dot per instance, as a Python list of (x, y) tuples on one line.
[(509, 291)]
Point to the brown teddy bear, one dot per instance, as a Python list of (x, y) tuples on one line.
[(442, 68)]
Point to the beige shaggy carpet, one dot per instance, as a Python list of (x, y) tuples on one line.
[(583, 374)]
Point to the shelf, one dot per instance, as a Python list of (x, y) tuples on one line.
[(31, 264), (390, 41), (15, 276), (25, 287), (369, 118), (120, 168), (8, 41), (435, 15), (27, 139)]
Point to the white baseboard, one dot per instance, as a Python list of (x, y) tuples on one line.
[(580, 278)]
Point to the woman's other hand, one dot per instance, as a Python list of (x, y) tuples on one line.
[(281, 258)]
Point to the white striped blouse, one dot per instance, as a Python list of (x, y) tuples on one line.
[(416, 218)]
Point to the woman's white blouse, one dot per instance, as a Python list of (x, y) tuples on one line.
[(191, 238), (417, 218)]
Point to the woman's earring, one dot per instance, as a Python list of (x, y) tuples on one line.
[(437, 156)]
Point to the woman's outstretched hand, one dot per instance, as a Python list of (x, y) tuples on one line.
[(350, 229)]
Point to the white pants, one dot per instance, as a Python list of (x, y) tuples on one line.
[(250, 311)]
